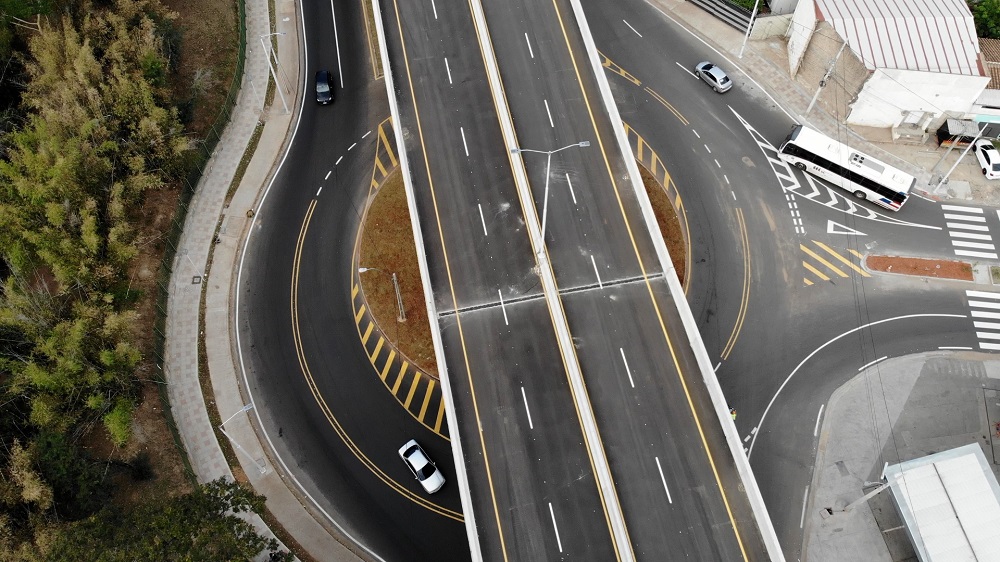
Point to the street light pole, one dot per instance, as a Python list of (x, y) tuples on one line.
[(400, 311), (548, 167), (262, 468), (274, 75)]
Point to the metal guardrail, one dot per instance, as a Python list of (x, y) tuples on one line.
[(189, 185)]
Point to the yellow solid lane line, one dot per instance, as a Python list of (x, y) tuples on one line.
[(820, 259), (745, 297), (321, 402), (843, 260), (526, 208), (652, 296), (451, 284)]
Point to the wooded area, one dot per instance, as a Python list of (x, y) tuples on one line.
[(89, 128)]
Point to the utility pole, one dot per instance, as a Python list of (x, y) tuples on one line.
[(826, 77)]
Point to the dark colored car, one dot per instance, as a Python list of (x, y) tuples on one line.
[(324, 88)]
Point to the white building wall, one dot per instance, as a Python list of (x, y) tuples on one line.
[(890, 92), (988, 103), (800, 32), (785, 6), (770, 26)]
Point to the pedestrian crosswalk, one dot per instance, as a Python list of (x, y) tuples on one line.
[(970, 235), (985, 312)]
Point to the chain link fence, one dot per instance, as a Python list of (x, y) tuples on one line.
[(189, 184)]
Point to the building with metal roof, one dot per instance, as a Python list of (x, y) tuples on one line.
[(900, 64), (950, 505)]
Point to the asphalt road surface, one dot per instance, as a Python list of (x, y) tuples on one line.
[(330, 418), (781, 311), (533, 487)]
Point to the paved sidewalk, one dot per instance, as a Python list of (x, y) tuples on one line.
[(207, 211), (899, 410)]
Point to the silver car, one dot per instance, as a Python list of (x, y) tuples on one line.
[(713, 76), (422, 467)]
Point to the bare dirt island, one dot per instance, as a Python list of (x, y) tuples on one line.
[(942, 269)]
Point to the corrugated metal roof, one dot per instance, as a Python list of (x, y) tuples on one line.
[(928, 35), (950, 504)]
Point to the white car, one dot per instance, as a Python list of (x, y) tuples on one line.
[(989, 158), (422, 467)]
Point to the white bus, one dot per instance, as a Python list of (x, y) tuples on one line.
[(846, 168)]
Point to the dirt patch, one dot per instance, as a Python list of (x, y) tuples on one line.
[(206, 61), (943, 269), (670, 224), (387, 245)]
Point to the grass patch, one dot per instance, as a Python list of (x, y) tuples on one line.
[(387, 244)]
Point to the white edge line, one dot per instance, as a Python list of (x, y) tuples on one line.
[(805, 498), (236, 318), (336, 40), (829, 342), (819, 416), (866, 365)]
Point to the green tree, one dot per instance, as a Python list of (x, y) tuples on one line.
[(986, 14), (202, 525)]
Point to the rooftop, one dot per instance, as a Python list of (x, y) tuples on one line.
[(926, 35)]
